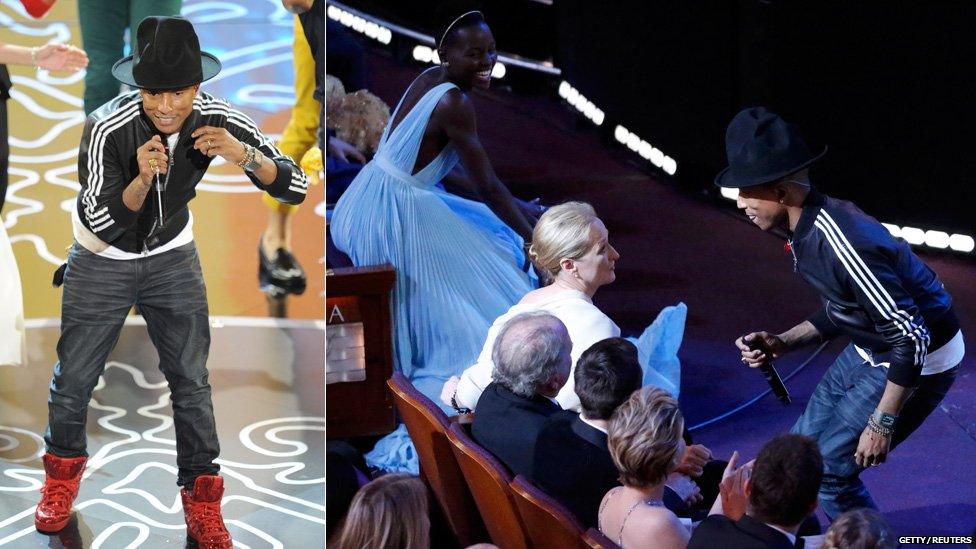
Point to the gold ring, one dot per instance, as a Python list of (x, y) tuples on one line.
[(153, 164), (209, 143)]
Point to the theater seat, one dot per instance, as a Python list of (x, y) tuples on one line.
[(595, 539), (427, 426), (489, 482), (547, 522)]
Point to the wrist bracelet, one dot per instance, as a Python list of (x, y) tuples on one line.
[(458, 408), (878, 428), (33, 54), (248, 156)]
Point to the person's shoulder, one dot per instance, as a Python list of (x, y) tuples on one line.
[(558, 426), (656, 523), (454, 103), (211, 105), (845, 225), (123, 106), (581, 315), (712, 525)]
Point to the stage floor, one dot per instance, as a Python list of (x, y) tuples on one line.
[(267, 375)]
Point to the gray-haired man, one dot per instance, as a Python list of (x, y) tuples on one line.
[(532, 362)]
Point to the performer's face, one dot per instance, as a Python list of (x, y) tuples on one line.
[(596, 268), (762, 204), (168, 109), (471, 55)]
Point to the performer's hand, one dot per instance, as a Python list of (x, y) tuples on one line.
[(770, 342), (732, 489), (687, 489), (872, 449), (213, 141), (61, 57), (152, 150), (693, 460), (450, 387), (341, 150)]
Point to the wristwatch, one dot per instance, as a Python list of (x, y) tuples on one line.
[(884, 419), (252, 159)]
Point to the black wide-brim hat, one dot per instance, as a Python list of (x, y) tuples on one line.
[(761, 148), (166, 56)]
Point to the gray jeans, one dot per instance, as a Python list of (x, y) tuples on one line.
[(169, 291)]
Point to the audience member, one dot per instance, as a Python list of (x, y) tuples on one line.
[(645, 438), (764, 504), (531, 354), (389, 512), (572, 460), (860, 529), (570, 246), (344, 467)]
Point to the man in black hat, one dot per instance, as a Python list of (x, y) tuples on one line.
[(140, 159), (906, 344)]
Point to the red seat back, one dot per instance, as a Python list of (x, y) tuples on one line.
[(489, 480), (427, 426)]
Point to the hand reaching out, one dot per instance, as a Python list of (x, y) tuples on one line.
[(61, 57)]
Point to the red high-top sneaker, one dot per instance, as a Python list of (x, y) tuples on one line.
[(59, 492), (201, 509)]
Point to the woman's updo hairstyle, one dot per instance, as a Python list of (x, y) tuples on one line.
[(563, 232)]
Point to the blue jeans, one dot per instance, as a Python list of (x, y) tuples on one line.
[(837, 414), (170, 293)]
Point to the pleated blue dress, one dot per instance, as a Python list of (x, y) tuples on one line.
[(453, 276)]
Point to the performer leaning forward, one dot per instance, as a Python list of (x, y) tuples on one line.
[(906, 344)]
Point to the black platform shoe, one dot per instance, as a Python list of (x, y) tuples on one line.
[(280, 276)]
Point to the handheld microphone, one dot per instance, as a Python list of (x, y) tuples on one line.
[(160, 187), (769, 371)]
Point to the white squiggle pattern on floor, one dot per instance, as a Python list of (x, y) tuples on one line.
[(141, 449)]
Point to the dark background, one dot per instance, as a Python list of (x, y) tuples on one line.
[(891, 89)]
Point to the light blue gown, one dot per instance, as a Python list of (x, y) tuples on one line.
[(453, 277)]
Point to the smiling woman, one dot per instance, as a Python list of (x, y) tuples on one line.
[(453, 276)]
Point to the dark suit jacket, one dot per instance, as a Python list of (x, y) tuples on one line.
[(573, 464), (746, 533), (507, 425)]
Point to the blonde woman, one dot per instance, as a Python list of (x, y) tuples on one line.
[(645, 443), (389, 512), (571, 251)]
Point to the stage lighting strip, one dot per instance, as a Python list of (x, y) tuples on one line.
[(581, 103), (624, 136), (939, 240), (362, 25), (382, 31)]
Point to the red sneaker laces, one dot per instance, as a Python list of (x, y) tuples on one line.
[(207, 515), (58, 493)]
